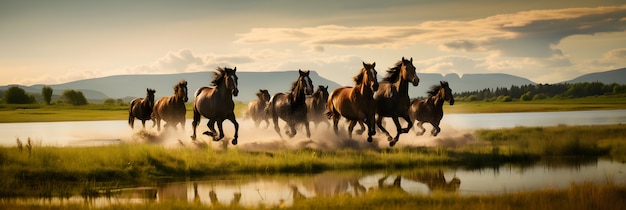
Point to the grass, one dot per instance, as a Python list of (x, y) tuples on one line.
[(547, 105)]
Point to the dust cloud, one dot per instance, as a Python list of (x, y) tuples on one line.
[(264, 138)]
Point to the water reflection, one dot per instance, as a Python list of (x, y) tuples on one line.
[(284, 190)]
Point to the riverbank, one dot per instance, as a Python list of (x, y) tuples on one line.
[(92, 112)]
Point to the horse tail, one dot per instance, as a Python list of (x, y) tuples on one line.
[(131, 118), (331, 107)]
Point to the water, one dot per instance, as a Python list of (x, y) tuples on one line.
[(275, 190), (111, 132)]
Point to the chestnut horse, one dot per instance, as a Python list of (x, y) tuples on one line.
[(356, 103), (171, 109), (392, 98), (256, 108), (141, 108), (216, 104), (291, 106), (316, 105), (431, 109)]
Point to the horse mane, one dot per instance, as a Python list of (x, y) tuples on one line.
[(393, 74), (435, 89), (180, 84), (218, 76), (358, 79)]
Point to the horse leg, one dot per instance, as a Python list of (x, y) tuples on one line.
[(360, 131), (436, 129), (408, 120), (292, 130), (379, 123), (308, 131), (220, 127), (370, 127), (276, 128), (236, 124), (351, 128), (396, 121), (335, 125), (420, 125), (143, 124), (195, 122)]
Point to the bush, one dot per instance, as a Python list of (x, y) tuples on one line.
[(525, 97), (74, 97), (504, 99), (539, 96), (17, 95)]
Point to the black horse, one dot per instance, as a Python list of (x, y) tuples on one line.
[(392, 97), (141, 108), (291, 106)]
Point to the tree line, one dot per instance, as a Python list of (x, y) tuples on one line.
[(17, 95), (541, 91)]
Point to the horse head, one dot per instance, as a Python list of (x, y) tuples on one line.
[(305, 82), (408, 72), (264, 95), (370, 74), (231, 80), (180, 90), (447, 92), (150, 94)]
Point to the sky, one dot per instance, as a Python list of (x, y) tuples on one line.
[(52, 42)]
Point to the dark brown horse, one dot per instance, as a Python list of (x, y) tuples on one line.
[(291, 106), (356, 103), (392, 98), (141, 108), (256, 108), (216, 104), (316, 105), (171, 109), (431, 109)]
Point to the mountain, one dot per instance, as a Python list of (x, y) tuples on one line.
[(608, 77), (134, 86)]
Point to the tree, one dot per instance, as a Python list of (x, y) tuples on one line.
[(17, 95), (74, 97), (46, 93)]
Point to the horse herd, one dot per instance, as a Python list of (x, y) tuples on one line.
[(367, 102)]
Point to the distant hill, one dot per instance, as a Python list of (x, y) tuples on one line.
[(608, 77), (133, 86)]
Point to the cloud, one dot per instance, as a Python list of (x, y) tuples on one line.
[(522, 34), (612, 59), (185, 60)]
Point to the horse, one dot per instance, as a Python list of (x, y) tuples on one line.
[(316, 105), (141, 108), (291, 106), (392, 97), (171, 109), (256, 108), (216, 104), (431, 109), (356, 103)]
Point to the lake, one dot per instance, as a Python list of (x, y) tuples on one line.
[(112, 132)]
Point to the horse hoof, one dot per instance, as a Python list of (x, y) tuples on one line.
[(208, 133), (404, 130), (234, 142), (392, 143), (193, 138), (369, 139), (359, 132), (389, 138)]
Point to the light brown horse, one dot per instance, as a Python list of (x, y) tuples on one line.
[(316, 105), (356, 103), (171, 109), (141, 108), (431, 109), (291, 106), (256, 108), (216, 104), (392, 98)]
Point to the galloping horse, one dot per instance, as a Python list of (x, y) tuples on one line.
[(141, 108), (316, 105), (431, 109), (392, 98), (172, 108), (356, 103), (216, 104), (256, 108), (291, 106)]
